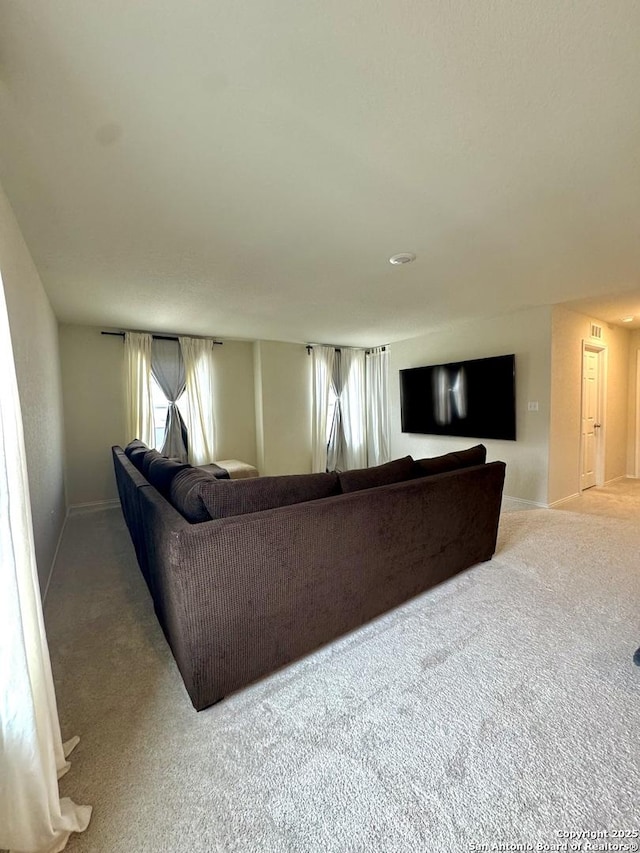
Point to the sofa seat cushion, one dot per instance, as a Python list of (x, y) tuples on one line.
[(379, 475), (451, 461), (224, 498), (161, 472), (217, 471)]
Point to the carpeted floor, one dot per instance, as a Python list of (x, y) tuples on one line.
[(620, 499), (500, 707)]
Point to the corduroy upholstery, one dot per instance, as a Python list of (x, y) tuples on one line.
[(378, 475), (451, 461), (237, 497), (129, 482), (149, 457), (185, 494), (134, 445), (161, 472), (137, 454), (238, 597), (218, 472)]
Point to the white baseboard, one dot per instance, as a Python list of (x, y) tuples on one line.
[(564, 500), (579, 494), (524, 504), (76, 509), (615, 480), (55, 557), (92, 506)]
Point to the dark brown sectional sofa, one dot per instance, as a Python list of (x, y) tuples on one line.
[(249, 575)]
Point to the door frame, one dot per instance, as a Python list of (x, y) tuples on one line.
[(636, 473), (601, 349)]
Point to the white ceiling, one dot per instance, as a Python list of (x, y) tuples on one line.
[(246, 168)]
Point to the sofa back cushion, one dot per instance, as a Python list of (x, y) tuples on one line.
[(224, 498), (184, 494), (147, 459), (451, 461), (161, 472), (134, 445), (137, 454), (378, 475)]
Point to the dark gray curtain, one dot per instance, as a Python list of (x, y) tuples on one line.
[(167, 368), (336, 447)]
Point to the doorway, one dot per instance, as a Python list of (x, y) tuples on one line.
[(594, 375), (636, 473)]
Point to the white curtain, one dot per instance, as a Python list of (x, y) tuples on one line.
[(377, 405), (352, 407), (322, 366), (33, 818), (139, 405), (338, 377), (197, 354)]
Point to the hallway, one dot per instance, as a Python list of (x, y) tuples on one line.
[(620, 499)]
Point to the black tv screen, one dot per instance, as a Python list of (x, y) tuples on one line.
[(476, 398)]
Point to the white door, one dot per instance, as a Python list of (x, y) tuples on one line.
[(591, 425)]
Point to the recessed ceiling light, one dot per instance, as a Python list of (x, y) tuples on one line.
[(402, 258), (627, 319)]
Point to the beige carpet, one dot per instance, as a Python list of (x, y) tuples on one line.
[(501, 707), (620, 499)]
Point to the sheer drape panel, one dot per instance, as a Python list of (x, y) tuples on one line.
[(32, 756), (139, 405), (197, 354), (339, 375), (167, 366), (377, 405), (322, 369), (352, 407)]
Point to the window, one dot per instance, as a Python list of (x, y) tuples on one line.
[(350, 427), (160, 408), (331, 409)]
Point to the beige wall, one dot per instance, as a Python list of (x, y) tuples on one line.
[(569, 330), (34, 335), (633, 443), (528, 335), (263, 413), (92, 370), (617, 405), (283, 407), (235, 416)]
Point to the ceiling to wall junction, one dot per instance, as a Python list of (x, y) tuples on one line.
[(246, 169)]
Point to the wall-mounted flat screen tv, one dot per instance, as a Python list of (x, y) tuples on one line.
[(476, 399)]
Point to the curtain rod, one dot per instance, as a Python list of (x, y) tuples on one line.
[(367, 350), (163, 337)]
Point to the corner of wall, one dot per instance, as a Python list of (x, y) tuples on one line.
[(34, 337), (258, 390)]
